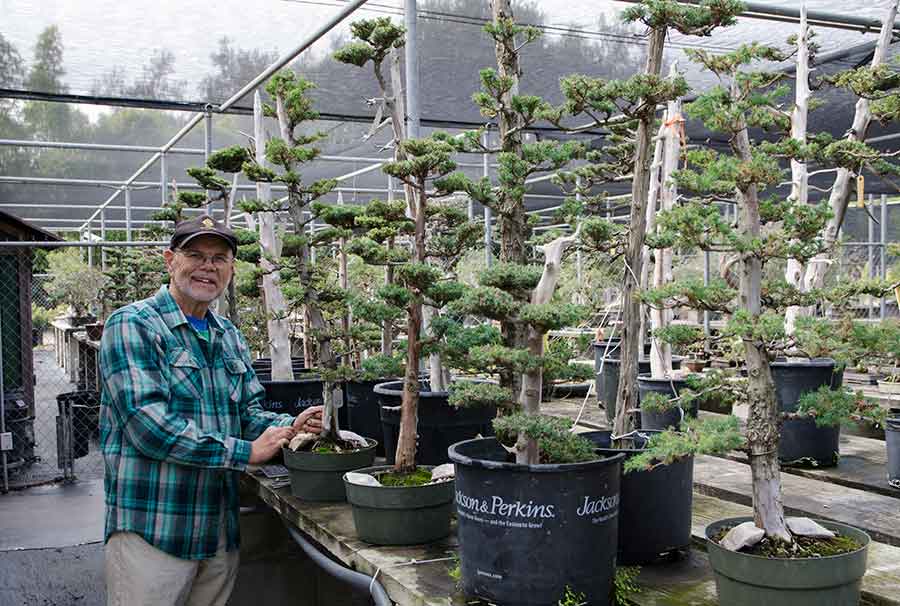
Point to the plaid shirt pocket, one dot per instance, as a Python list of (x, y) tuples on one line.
[(185, 382)]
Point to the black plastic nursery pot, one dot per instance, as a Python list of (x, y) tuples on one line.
[(400, 515), (892, 442), (653, 419), (364, 410), (439, 424), (802, 442), (608, 380), (655, 506), (748, 580), (292, 397), (320, 476), (526, 532)]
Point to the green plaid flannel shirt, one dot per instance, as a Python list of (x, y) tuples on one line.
[(177, 418)]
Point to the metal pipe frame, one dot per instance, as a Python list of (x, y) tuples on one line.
[(280, 63), (773, 12)]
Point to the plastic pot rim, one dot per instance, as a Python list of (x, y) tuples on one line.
[(462, 459)]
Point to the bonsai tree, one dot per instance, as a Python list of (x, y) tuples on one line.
[(420, 281), (280, 163), (632, 104), (767, 229), (133, 274), (73, 282)]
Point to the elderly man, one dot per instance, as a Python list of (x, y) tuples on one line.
[(180, 418)]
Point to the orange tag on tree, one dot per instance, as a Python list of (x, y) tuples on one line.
[(860, 191)]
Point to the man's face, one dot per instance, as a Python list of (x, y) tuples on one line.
[(201, 269)]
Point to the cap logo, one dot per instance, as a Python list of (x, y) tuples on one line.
[(207, 223)]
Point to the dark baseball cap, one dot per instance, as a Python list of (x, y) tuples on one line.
[(204, 225)]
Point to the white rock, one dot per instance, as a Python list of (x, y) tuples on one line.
[(361, 479), (807, 528), (353, 438), (742, 535), (302, 439), (446, 471)]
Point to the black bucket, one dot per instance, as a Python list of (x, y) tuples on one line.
[(608, 381), (795, 378), (364, 411), (84, 406), (528, 532), (439, 424), (655, 509), (892, 442), (804, 444), (669, 388), (21, 425)]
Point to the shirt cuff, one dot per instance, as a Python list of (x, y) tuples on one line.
[(238, 453), (284, 421)]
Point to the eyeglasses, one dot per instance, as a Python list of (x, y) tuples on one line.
[(198, 258)]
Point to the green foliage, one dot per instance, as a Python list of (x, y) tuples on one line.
[(656, 402), (551, 316), (72, 281), (698, 20), (572, 598), (419, 277), (380, 366), (625, 585), (192, 199), (208, 179), (469, 394), (493, 358), (518, 280), (716, 296), (704, 436), (229, 160), (395, 295), (829, 407), (372, 41), (487, 301), (417, 477), (556, 442)]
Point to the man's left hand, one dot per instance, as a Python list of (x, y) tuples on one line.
[(310, 420)]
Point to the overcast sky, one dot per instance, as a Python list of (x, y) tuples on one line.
[(102, 34)]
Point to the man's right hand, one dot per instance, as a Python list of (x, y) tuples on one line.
[(270, 443)]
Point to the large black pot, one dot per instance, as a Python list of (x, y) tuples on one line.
[(651, 419), (744, 579), (364, 411), (439, 424), (526, 532), (608, 380), (655, 511), (292, 397), (802, 442)]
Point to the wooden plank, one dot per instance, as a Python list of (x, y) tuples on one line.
[(874, 513), (863, 465), (418, 575)]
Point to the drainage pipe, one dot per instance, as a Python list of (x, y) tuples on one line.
[(355, 579)]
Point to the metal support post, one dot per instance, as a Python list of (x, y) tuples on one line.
[(884, 226), (128, 213), (411, 56), (163, 177), (870, 254), (706, 272), (90, 251), (390, 189), (3, 412), (103, 238)]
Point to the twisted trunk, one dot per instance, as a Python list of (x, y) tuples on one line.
[(763, 421), (627, 397), (406, 442)]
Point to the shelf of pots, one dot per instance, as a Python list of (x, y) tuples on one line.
[(768, 558)]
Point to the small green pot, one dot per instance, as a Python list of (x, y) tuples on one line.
[(401, 515), (319, 476), (749, 580)]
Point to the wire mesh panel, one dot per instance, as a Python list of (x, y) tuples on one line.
[(50, 327)]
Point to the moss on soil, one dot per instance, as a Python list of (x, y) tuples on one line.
[(802, 547), (418, 477)]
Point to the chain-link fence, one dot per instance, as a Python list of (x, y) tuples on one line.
[(51, 311)]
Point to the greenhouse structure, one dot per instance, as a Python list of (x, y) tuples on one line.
[(500, 302)]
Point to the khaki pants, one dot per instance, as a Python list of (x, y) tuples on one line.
[(139, 574)]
